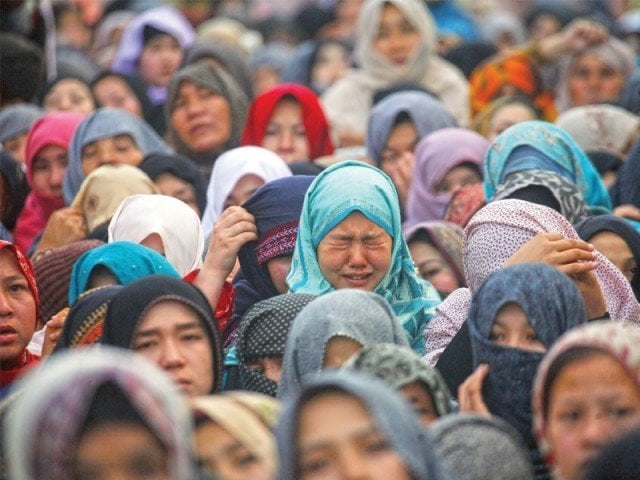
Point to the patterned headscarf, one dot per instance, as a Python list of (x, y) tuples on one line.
[(543, 146), (46, 424), (371, 192), (398, 366), (262, 333), (620, 341), (435, 156), (361, 316)]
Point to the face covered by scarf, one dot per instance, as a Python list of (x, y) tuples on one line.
[(370, 192), (552, 305), (363, 317), (263, 332)]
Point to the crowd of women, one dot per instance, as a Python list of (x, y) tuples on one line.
[(320, 239)]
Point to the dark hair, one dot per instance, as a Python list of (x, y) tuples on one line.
[(21, 69)]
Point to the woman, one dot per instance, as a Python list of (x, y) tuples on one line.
[(596, 74), (46, 161), (169, 322), (445, 161), (333, 327), (542, 146), (261, 341), (404, 371), (15, 123), (591, 377), (515, 317), (333, 411), (152, 47), (231, 439), (518, 231), (116, 263), (108, 136), (205, 113), (83, 402), (381, 25), (625, 191), (617, 240), (68, 94), (436, 250), (237, 174), (288, 120), (164, 224), (503, 112), (351, 238)]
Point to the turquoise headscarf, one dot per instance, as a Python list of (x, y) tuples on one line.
[(556, 151), (126, 260), (338, 191)]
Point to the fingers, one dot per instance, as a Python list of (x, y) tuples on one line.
[(470, 392)]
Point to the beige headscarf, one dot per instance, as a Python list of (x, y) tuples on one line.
[(235, 414), (106, 187)]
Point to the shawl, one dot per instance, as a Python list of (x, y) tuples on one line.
[(614, 52), (106, 187), (618, 225), (371, 192), (492, 236), (518, 71), (138, 216), (105, 123), (625, 190), (446, 237), (315, 123), (127, 261), (464, 204), (263, 333), (435, 156), (547, 148), (229, 169), (18, 119), (53, 129), (223, 84), (477, 447), (166, 19), (552, 305), (276, 208), (132, 302), (620, 341), (58, 398), (572, 205), (53, 271), (391, 415), (629, 96), (426, 112), (244, 425), (348, 101), (364, 317), (85, 320), (398, 366), (155, 164), (602, 128)]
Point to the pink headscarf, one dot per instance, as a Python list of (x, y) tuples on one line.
[(435, 156), (53, 129), (492, 236)]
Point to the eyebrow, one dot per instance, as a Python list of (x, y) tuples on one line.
[(13, 278), (358, 434), (427, 262), (180, 328)]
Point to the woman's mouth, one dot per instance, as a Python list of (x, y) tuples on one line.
[(8, 335)]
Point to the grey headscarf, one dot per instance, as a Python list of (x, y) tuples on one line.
[(476, 447), (17, 119), (426, 112), (364, 317), (391, 415), (219, 81), (104, 123), (399, 366)]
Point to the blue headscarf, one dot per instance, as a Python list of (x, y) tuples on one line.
[(543, 146), (104, 123), (337, 192), (553, 305), (126, 260)]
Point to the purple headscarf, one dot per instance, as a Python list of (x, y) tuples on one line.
[(435, 155)]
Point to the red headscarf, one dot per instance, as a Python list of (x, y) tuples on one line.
[(53, 129), (26, 267), (315, 122)]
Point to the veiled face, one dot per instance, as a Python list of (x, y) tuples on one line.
[(397, 38), (593, 80)]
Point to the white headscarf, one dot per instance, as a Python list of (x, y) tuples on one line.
[(229, 168), (138, 216)]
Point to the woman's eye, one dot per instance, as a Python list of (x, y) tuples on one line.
[(620, 412), (245, 460), (570, 416), (143, 346), (377, 445), (314, 465), (496, 335)]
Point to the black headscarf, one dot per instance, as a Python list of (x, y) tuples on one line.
[(15, 180)]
